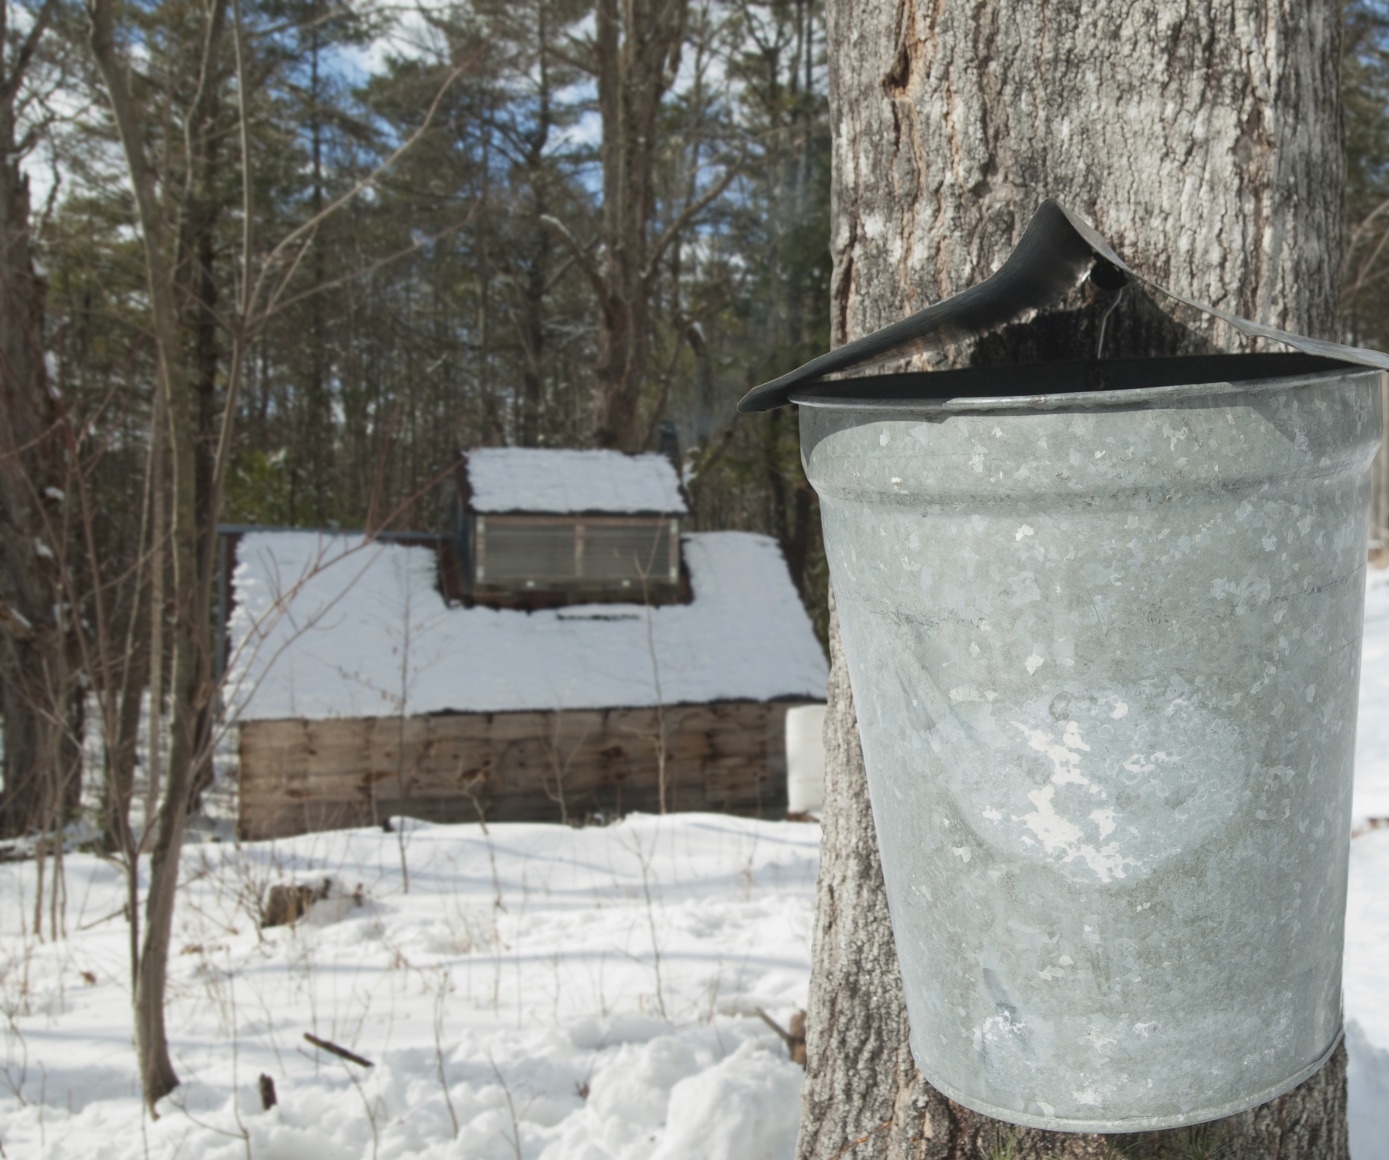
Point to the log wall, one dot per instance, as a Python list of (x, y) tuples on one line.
[(298, 776)]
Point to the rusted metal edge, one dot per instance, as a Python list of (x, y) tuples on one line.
[(1057, 250)]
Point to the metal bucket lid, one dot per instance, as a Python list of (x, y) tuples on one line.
[(1057, 250)]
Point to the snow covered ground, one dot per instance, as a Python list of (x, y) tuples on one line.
[(537, 992), (551, 992), (1366, 975), (1372, 725)]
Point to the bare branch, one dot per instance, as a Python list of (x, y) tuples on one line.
[(221, 461), (362, 272), (582, 258), (578, 63), (359, 187), (1365, 274), (14, 623), (687, 215), (340, 1052), (1365, 223), (9, 86)]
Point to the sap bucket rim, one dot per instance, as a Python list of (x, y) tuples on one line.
[(1202, 1115), (934, 393)]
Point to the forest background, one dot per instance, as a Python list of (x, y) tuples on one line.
[(454, 302), (277, 261)]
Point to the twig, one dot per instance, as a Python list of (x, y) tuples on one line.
[(794, 1038), (515, 1140), (105, 918), (775, 1026), (645, 863), (439, 1000), (340, 1052)]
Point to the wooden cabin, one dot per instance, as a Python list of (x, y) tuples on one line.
[(566, 651)]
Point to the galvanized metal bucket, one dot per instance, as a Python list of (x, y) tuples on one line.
[(1104, 650), (1102, 623)]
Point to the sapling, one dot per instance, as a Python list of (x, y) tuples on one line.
[(402, 709), (162, 205), (14, 1038), (235, 1054), (660, 738), (559, 768), (747, 873), (515, 1140), (644, 860), (472, 787), (440, 994), (371, 1111)]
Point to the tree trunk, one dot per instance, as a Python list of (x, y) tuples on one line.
[(635, 60), (190, 677), (36, 674), (535, 285), (637, 48), (1204, 141), (197, 262)]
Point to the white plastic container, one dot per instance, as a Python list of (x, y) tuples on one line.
[(805, 759)]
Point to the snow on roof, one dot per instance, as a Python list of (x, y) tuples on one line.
[(534, 479), (333, 626)]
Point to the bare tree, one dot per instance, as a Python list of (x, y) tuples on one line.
[(1204, 142), (635, 57), (189, 683), (163, 204)]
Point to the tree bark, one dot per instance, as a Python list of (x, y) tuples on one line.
[(1204, 141), (36, 673)]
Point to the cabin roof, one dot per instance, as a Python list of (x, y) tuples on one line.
[(335, 626), (555, 480)]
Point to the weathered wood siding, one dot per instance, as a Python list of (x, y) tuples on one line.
[(299, 776)]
